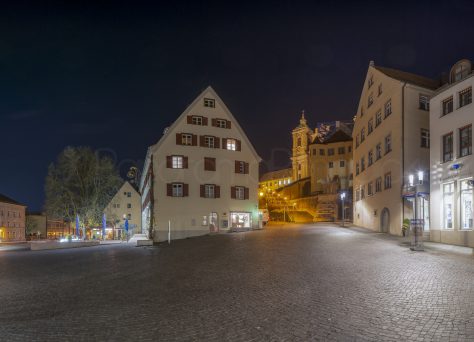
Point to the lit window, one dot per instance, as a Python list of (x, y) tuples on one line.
[(448, 205), (211, 103), (465, 141), (231, 144), (466, 204), (177, 162), (425, 138)]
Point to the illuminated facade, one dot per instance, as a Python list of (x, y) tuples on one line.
[(201, 176), (126, 204), (12, 220), (452, 163), (391, 125), (273, 180)]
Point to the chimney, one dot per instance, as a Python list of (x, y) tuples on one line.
[(371, 63)]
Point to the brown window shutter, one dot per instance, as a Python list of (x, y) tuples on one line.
[(214, 122), (237, 166), (224, 143), (232, 192), (217, 191), (190, 119), (179, 140), (228, 124), (169, 162), (185, 190), (169, 189), (201, 140), (246, 168), (185, 162), (238, 145), (217, 142), (246, 193), (213, 164), (204, 121), (202, 190), (195, 139), (206, 164)]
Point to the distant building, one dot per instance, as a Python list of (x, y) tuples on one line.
[(391, 141), (201, 176), (45, 227), (451, 160), (126, 204), (12, 220), (273, 180)]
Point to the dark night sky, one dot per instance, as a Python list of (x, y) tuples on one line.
[(114, 75)]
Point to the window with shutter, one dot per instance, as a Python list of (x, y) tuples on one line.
[(233, 192), (209, 164)]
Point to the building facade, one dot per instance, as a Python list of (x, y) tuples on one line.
[(126, 204), (201, 176), (273, 180), (452, 163), (391, 141), (12, 220)]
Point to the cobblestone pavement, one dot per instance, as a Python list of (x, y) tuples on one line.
[(292, 283)]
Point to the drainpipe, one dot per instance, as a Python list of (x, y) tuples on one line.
[(403, 147)]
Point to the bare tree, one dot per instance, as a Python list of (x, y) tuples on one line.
[(80, 182)]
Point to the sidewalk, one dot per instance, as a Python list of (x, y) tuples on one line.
[(429, 246)]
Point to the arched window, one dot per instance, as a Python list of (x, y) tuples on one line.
[(299, 142), (460, 70)]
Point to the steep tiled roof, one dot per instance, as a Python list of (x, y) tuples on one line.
[(5, 199), (285, 173), (317, 140), (338, 136), (409, 77)]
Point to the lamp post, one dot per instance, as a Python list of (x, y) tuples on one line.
[(343, 196), (417, 223)]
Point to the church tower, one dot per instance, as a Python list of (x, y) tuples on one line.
[(300, 157)]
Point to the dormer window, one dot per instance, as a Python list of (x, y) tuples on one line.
[(211, 103), (460, 70)]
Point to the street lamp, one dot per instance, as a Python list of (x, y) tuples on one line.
[(343, 196), (417, 224)]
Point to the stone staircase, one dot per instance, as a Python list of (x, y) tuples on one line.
[(325, 212)]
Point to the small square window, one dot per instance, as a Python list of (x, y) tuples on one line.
[(211, 103)]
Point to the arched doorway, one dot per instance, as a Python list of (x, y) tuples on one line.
[(385, 221)]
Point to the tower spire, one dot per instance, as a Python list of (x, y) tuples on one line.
[(302, 119)]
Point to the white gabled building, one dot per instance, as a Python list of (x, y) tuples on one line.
[(126, 204), (452, 163), (201, 176)]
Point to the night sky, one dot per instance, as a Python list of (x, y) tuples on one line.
[(114, 75)]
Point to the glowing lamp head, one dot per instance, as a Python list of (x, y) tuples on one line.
[(420, 176), (343, 195)]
